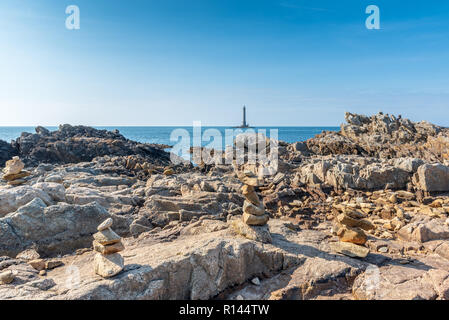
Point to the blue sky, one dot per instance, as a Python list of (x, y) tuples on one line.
[(170, 62)]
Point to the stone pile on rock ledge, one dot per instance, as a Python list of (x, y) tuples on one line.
[(14, 173), (253, 224), (108, 262)]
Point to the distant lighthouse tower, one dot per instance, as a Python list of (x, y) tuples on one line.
[(244, 124)]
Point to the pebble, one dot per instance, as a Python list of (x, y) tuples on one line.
[(7, 277), (105, 224), (256, 281), (383, 250)]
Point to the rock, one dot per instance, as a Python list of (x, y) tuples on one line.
[(255, 281), (74, 144), (353, 235), (38, 264), (251, 195), (108, 249), (109, 265), (249, 208), (42, 273), (50, 230), (169, 172), (13, 167), (17, 182), (393, 198), (27, 255), (52, 264), (105, 224), (432, 177), (12, 178), (256, 233), (349, 249), (253, 220), (7, 277), (351, 222), (106, 237), (423, 228)]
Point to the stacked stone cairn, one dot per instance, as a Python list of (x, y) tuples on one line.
[(253, 224), (14, 173), (108, 262), (253, 209), (350, 231)]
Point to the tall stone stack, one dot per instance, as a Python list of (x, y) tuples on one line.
[(253, 224), (253, 209), (14, 173), (108, 262)]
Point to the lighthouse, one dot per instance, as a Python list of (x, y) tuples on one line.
[(244, 124)]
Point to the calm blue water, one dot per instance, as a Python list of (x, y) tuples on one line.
[(161, 135)]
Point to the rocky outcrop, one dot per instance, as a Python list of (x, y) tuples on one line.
[(383, 136), (73, 144), (52, 230), (6, 152)]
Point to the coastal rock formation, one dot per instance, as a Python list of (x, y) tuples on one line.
[(383, 136), (6, 152), (350, 218), (73, 144)]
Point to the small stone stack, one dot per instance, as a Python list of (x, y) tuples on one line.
[(14, 173), (351, 233), (253, 224), (108, 262), (253, 209)]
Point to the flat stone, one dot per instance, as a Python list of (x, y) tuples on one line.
[(256, 233), (17, 182), (353, 235), (106, 237), (251, 195), (351, 222), (109, 265), (51, 264), (27, 255), (105, 224), (16, 176), (250, 208), (108, 249), (349, 249), (253, 220), (38, 264)]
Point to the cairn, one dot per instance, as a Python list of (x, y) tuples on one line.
[(351, 226), (108, 262), (14, 173), (253, 224), (253, 209)]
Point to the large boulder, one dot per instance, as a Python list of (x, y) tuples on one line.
[(13, 198), (52, 230), (432, 177)]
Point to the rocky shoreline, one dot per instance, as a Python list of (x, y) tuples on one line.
[(357, 214)]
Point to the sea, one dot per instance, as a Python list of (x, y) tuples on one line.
[(162, 135)]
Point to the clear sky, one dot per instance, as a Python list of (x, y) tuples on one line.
[(170, 62)]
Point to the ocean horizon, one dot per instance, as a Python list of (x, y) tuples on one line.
[(161, 134)]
